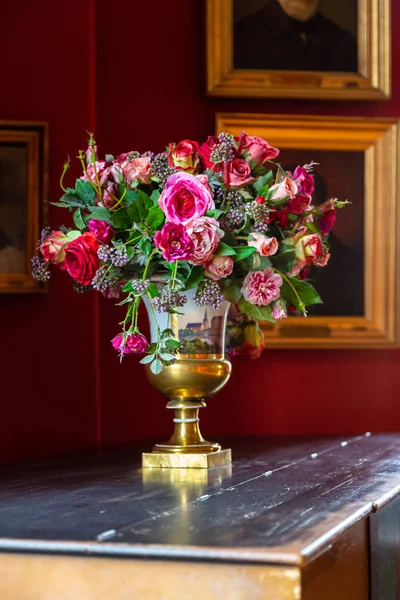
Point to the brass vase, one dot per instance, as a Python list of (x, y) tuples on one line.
[(200, 371)]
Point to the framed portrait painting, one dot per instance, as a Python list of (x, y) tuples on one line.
[(357, 161), (23, 190), (337, 49)]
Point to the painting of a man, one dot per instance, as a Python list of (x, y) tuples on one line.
[(296, 35), (13, 209)]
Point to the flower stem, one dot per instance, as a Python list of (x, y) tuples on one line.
[(290, 284), (120, 200), (174, 273), (148, 263), (82, 159), (65, 169)]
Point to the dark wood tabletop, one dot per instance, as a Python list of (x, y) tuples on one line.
[(281, 502)]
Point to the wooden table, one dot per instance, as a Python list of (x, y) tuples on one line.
[(315, 519)]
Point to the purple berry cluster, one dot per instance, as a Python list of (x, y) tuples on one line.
[(105, 279), (140, 286), (169, 299), (257, 212), (161, 169), (117, 256), (209, 294), (225, 150), (40, 270)]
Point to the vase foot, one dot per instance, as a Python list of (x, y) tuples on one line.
[(198, 460)]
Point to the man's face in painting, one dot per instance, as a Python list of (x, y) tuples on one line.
[(302, 10)]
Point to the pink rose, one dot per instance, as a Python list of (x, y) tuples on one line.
[(299, 204), (256, 149), (184, 156), (184, 197), (322, 260), (261, 287), (137, 169), (109, 199), (205, 151), (278, 310), (287, 187), (102, 230), (266, 246), (219, 267), (307, 247), (53, 247), (101, 168), (236, 173), (133, 343), (204, 180), (205, 235), (81, 260), (304, 180), (327, 221), (174, 242)]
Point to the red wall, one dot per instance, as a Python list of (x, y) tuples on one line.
[(150, 90), (48, 401)]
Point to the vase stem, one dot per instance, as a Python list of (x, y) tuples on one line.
[(187, 438)]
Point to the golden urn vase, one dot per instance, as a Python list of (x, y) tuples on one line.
[(198, 373)]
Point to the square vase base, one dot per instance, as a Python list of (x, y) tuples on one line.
[(186, 461)]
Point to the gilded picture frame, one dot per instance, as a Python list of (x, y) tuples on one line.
[(374, 144), (24, 148), (371, 80)]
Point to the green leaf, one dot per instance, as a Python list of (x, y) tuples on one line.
[(261, 313), (263, 181), (299, 293), (100, 213), (167, 356), (313, 227), (78, 220), (120, 219), (166, 333), (130, 252), (172, 344), (71, 199), (243, 252), (127, 287), (145, 246), (61, 204), (225, 250), (85, 191), (153, 291), (284, 261), (214, 213), (151, 348), (156, 366), (231, 291), (144, 199), (256, 262), (195, 277), (130, 196), (155, 218), (155, 194), (139, 209), (147, 359)]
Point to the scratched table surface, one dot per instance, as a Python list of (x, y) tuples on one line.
[(281, 502)]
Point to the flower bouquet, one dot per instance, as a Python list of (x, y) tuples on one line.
[(222, 218)]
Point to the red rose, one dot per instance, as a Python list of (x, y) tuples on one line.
[(256, 149), (184, 156), (205, 150), (299, 204), (81, 260), (102, 230), (236, 173), (327, 221)]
